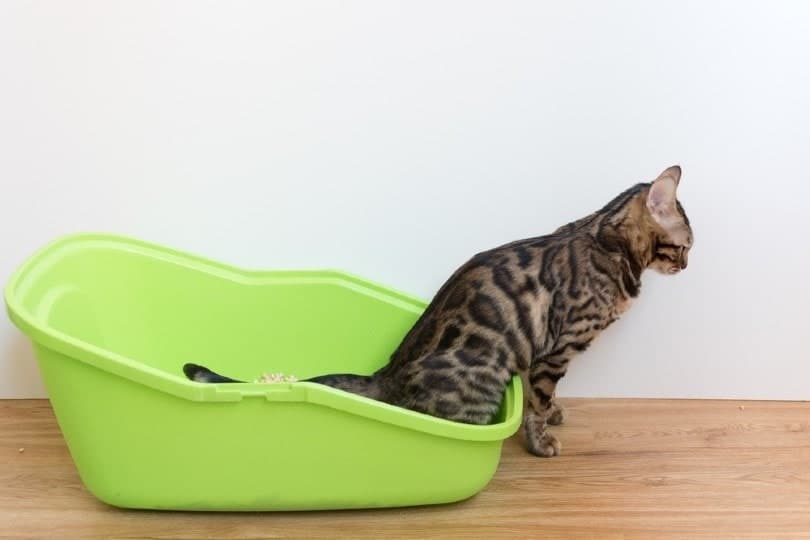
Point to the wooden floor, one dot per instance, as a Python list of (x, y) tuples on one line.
[(648, 469)]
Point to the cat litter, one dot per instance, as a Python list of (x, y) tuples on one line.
[(276, 378)]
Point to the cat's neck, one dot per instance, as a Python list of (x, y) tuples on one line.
[(625, 232)]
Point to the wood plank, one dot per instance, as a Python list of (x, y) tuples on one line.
[(630, 469)]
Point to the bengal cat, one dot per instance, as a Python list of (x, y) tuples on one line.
[(527, 307)]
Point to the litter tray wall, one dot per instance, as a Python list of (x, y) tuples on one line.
[(113, 319)]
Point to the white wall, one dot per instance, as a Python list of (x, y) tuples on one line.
[(396, 139)]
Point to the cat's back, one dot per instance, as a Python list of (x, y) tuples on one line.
[(505, 291)]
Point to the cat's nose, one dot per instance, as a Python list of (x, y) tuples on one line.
[(683, 263)]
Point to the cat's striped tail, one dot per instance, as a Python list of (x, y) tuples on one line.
[(203, 374)]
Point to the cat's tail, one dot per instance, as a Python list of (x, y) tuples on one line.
[(203, 374), (363, 385)]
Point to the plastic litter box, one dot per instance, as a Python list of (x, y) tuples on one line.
[(112, 321)]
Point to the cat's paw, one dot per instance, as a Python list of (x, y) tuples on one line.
[(557, 415), (545, 445)]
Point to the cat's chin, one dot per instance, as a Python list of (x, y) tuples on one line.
[(666, 270)]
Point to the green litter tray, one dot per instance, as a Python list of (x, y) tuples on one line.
[(113, 320)]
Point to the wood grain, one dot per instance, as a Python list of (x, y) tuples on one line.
[(630, 469)]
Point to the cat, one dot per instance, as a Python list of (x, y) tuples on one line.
[(527, 307)]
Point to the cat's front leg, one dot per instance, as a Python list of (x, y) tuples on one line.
[(543, 410), (538, 440), (557, 415)]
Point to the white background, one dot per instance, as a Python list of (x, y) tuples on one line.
[(396, 139)]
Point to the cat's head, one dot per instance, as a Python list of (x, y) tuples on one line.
[(670, 229)]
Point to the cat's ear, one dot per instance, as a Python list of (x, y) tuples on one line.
[(662, 196)]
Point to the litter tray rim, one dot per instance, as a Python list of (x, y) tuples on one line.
[(159, 380)]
